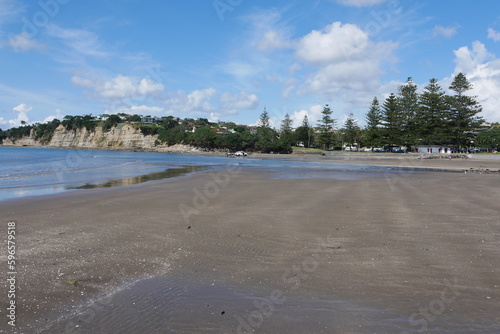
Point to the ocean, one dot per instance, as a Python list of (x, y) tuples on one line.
[(29, 171)]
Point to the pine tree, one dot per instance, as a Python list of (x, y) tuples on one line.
[(408, 104), (264, 119), (286, 125), (303, 133), (392, 122), (373, 122), (305, 122), (265, 135), (430, 119), (325, 128), (351, 131), (463, 119)]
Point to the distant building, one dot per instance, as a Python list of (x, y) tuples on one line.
[(434, 149), (150, 119)]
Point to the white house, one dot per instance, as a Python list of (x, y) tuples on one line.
[(434, 149)]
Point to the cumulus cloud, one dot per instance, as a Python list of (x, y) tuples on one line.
[(53, 117), (347, 62), (230, 103), (494, 35), (197, 101), (447, 32), (360, 3), (483, 71), (22, 116), (119, 87), (469, 59), (313, 115)]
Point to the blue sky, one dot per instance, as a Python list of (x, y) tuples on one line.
[(228, 59)]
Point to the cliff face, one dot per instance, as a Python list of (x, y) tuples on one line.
[(124, 137)]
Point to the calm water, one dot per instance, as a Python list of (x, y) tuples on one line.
[(40, 171)]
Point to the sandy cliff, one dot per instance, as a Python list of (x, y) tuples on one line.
[(124, 137)]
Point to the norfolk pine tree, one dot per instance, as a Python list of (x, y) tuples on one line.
[(463, 119), (430, 123), (408, 104), (373, 121), (351, 131), (392, 122), (325, 128), (303, 133)]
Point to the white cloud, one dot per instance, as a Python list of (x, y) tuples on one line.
[(81, 41), (119, 87), (139, 109), (483, 71), (21, 43), (447, 32), (273, 39), (467, 60), (197, 101), (347, 62), (360, 3), (335, 42), (313, 115), (494, 35), (22, 116), (52, 117), (230, 103)]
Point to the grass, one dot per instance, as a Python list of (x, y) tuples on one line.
[(303, 149)]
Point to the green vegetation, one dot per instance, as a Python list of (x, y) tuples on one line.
[(430, 118), (404, 119)]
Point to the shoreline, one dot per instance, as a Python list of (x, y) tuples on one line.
[(393, 240)]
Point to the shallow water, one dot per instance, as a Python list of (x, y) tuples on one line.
[(40, 171), (170, 305)]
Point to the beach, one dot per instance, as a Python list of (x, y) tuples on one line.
[(392, 253)]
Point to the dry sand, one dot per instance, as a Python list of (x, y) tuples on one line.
[(421, 247)]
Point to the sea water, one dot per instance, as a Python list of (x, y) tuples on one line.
[(26, 171)]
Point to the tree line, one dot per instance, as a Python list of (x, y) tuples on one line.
[(404, 119)]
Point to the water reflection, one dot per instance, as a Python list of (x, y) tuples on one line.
[(166, 174)]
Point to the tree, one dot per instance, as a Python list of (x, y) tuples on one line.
[(286, 125), (392, 122), (408, 105), (325, 128), (110, 122), (373, 122), (287, 135), (489, 138), (304, 133), (430, 122), (264, 119), (351, 131), (134, 118), (265, 135), (463, 119), (204, 137)]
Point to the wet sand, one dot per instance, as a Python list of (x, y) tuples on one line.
[(396, 253)]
